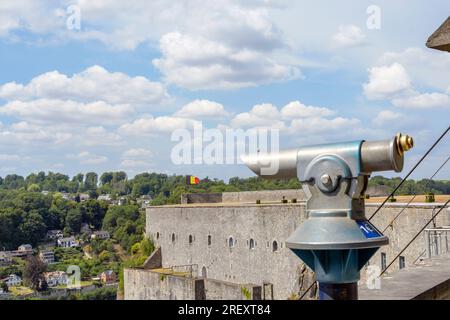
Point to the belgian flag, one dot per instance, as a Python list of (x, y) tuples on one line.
[(192, 180)]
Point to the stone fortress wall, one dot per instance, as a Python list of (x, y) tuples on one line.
[(238, 242)]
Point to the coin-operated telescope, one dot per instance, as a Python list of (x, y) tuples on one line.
[(336, 240)]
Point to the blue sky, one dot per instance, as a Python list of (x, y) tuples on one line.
[(108, 95)]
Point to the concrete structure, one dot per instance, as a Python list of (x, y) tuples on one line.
[(377, 191), (240, 243), (429, 280), (144, 284)]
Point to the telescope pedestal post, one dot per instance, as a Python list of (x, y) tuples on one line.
[(338, 291)]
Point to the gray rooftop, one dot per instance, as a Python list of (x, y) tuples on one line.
[(440, 39)]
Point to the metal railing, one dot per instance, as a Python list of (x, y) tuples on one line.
[(437, 240)]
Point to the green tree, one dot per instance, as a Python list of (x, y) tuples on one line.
[(91, 181), (34, 188), (33, 228), (74, 220), (93, 212), (4, 286)]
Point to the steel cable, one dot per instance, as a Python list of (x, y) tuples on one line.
[(410, 172)]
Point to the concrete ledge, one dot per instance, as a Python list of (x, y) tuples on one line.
[(427, 281)]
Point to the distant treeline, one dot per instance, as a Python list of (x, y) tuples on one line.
[(167, 188), (412, 186), (26, 214)]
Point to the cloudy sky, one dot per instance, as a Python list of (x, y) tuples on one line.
[(101, 85)]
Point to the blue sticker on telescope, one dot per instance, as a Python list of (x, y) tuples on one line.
[(367, 229)]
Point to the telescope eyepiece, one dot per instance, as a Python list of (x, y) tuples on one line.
[(404, 143)]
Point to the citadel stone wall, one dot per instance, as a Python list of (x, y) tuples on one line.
[(229, 256), (245, 242), (405, 227), (142, 284)]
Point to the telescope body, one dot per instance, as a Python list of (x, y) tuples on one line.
[(336, 240)]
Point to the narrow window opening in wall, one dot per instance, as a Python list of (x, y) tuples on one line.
[(191, 239), (274, 246), (157, 235), (402, 262), (209, 240), (173, 237), (251, 244), (383, 261), (268, 244), (230, 242)]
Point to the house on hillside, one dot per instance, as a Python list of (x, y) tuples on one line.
[(67, 196), (47, 256), (25, 248), (83, 197), (54, 234), (56, 278), (105, 197), (102, 235), (108, 277), (12, 280), (5, 258), (144, 200), (67, 242)]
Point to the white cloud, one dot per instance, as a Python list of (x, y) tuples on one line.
[(296, 109), (137, 153), (318, 125), (198, 109), (423, 101), (9, 157), (67, 111), (385, 116), (243, 46), (235, 22), (151, 125), (348, 36), (85, 157), (34, 16), (425, 67), (195, 63), (31, 135), (261, 115), (97, 136), (386, 82), (130, 163), (93, 84)]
